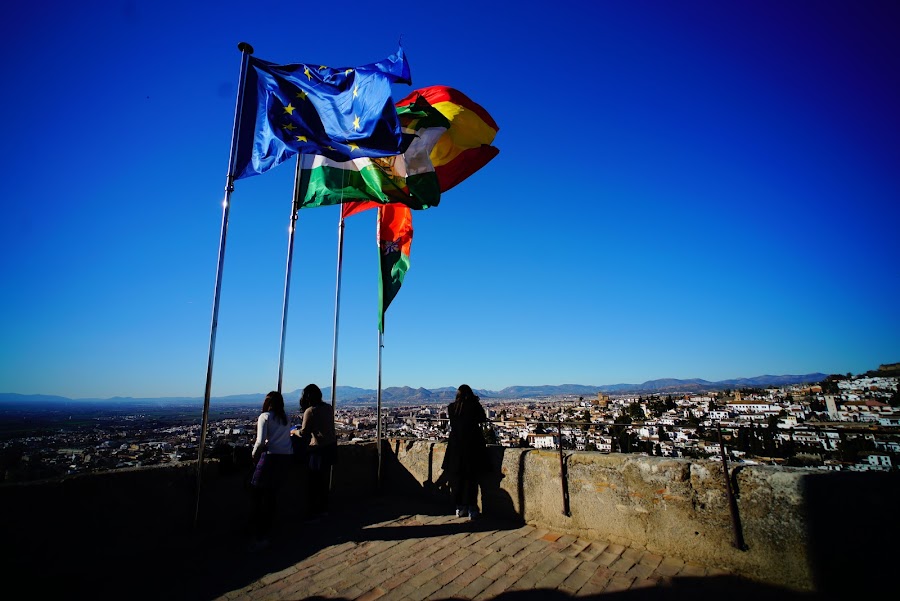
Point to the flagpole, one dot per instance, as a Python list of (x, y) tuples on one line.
[(378, 404), (380, 346), (299, 192), (246, 50), (337, 309), (337, 316)]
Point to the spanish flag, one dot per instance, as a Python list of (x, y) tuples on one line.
[(466, 145)]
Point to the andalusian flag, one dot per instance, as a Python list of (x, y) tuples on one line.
[(407, 178), (394, 232)]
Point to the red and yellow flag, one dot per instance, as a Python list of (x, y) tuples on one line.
[(466, 145), (464, 148)]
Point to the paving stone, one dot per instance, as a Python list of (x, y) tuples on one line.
[(552, 580), (449, 575), (469, 564), (567, 566), (423, 577), (577, 547), (576, 580), (616, 548), (621, 565), (592, 588), (639, 571), (593, 550), (607, 558), (276, 576), (618, 583), (515, 546), (475, 587), (498, 586), (670, 566), (424, 590), (602, 575), (640, 583), (633, 554), (692, 569), (459, 583), (513, 539), (350, 593), (499, 569), (651, 559), (563, 542), (496, 540)]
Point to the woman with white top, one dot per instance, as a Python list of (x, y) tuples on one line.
[(272, 453)]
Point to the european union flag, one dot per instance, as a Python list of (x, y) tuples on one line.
[(342, 114)]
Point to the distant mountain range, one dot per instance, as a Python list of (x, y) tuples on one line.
[(349, 395)]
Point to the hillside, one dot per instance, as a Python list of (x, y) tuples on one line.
[(406, 395)]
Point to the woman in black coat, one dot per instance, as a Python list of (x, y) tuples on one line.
[(466, 455)]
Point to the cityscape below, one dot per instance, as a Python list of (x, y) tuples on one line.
[(843, 422)]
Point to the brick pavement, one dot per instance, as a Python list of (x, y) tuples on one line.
[(417, 556)]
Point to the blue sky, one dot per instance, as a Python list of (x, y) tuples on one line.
[(691, 189)]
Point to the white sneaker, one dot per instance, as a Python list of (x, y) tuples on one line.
[(473, 513), (460, 512)]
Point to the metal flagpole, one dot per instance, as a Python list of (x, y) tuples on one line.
[(378, 402), (299, 192), (378, 432), (246, 50), (337, 309), (337, 316)]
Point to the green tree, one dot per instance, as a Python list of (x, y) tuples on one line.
[(850, 447), (663, 434), (636, 412)]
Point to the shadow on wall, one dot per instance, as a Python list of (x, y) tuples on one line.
[(401, 456), (851, 544)]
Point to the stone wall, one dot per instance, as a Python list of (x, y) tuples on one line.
[(804, 529), (794, 522)]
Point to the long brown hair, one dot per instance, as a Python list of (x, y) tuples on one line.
[(464, 396), (275, 403), (312, 395)]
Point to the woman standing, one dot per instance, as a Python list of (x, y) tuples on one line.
[(318, 432), (466, 455), (272, 455)]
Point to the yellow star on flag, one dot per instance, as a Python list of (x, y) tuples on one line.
[(353, 146), (322, 67), (306, 72), (356, 90), (289, 109), (289, 127), (331, 148), (348, 71), (302, 139), (356, 122), (301, 95)]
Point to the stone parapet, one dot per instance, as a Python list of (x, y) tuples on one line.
[(804, 529), (792, 520)]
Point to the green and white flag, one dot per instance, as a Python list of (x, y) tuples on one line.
[(407, 178)]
